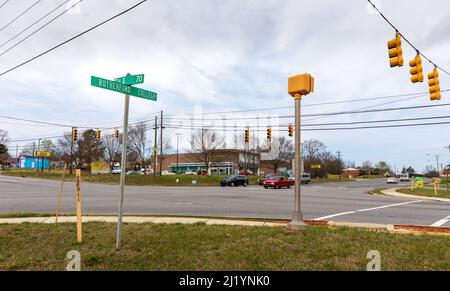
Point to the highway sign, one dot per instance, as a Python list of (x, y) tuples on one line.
[(131, 80), (121, 88), (43, 154), (419, 182)]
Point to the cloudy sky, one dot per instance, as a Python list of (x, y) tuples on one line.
[(222, 56)]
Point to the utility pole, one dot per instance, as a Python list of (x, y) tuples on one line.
[(437, 165), (155, 149), (178, 137), (161, 149), (35, 154), (339, 166), (17, 152)]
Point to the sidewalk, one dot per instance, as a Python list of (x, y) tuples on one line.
[(138, 219), (393, 192)]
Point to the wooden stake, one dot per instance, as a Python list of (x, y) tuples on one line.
[(61, 185), (79, 222)]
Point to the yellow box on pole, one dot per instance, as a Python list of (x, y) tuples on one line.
[(300, 84)]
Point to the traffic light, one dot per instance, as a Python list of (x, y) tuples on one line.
[(395, 51), (116, 133), (98, 134), (416, 70), (291, 130), (269, 134), (247, 136), (74, 133), (433, 83)]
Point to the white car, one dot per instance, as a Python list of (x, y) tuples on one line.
[(392, 180), (189, 172), (116, 171), (166, 173), (405, 178)]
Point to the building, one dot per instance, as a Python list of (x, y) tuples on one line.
[(31, 162), (350, 173), (223, 162)]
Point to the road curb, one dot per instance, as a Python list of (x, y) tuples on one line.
[(393, 192)]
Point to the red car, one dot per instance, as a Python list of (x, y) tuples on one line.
[(246, 173), (278, 182)]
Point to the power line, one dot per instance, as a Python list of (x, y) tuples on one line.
[(20, 15), (72, 38), (329, 114), (414, 47), (34, 23), (35, 121), (4, 3), (40, 28)]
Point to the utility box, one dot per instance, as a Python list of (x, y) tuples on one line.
[(300, 84)]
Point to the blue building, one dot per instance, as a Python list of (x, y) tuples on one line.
[(30, 162)]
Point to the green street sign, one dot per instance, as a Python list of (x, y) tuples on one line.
[(131, 80), (121, 88)]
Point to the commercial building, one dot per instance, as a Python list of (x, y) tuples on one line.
[(32, 162)]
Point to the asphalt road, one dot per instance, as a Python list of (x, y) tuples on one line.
[(347, 202)]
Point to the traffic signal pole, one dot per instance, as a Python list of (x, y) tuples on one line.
[(297, 222)]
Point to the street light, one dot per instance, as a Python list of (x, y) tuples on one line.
[(298, 86)]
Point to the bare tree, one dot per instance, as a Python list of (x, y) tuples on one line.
[(138, 141), (206, 142), (247, 151), (29, 150), (3, 136), (66, 150), (112, 150), (282, 150)]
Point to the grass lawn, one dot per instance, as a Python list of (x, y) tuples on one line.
[(202, 247), (331, 178), (429, 192), (132, 180)]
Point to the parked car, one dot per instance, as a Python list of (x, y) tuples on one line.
[(235, 181), (202, 173), (116, 171), (167, 173), (392, 180), (404, 178), (278, 182), (306, 178), (146, 172), (246, 173), (189, 172)]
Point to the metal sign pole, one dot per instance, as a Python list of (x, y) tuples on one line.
[(123, 169)]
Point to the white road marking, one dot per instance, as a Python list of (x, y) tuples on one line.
[(441, 222), (367, 209)]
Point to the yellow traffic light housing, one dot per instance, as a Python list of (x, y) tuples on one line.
[(300, 85), (247, 136), (395, 52), (116, 133), (98, 134), (74, 134), (416, 70), (291, 130), (433, 83), (269, 134)]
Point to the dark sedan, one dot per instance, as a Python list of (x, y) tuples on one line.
[(235, 181)]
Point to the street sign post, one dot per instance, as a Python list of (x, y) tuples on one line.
[(131, 80), (122, 88), (119, 86)]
